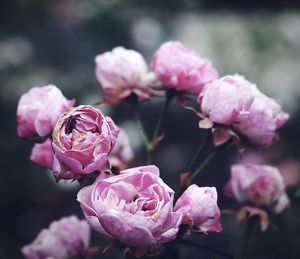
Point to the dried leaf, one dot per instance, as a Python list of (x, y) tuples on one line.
[(157, 140), (189, 108), (205, 124), (246, 212), (220, 136), (185, 179)]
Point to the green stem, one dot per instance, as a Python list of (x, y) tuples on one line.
[(200, 149), (209, 158), (150, 143), (142, 130), (168, 98), (204, 164)]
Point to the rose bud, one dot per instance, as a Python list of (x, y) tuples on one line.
[(64, 239), (199, 208), (265, 117), (42, 154), (134, 207), (258, 185), (39, 109), (122, 153), (227, 100), (181, 69), (122, 72), (82, 140)]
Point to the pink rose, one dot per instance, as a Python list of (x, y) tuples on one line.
[(122, 150), (64, 239), (253, 158), (39, 109), (199, 208), (182, 69), (82, 140), (42, 154), (227, 100), (134, 207), (120, 73), (290, 170), (259, 185), (265, 117)]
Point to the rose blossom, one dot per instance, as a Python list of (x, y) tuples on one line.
[(39, 109), (134, 207), (265, 117), (290, 170), (182, 69), (122, 72), (82, 140), (42, 154), (259, 185), (227, 100), (64, 239), (199, 208), (122, 150)]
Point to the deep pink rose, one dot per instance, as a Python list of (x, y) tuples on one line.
[(259, 185), (134, 207), (122, 72), (182, 69), (39, 109), (227, 100), (82, 140), (64, 239), (265, 117), (199, 208), (42, 154)]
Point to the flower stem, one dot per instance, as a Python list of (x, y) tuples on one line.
[(200, 149), (204, 164), (145, 138), (168, 98)]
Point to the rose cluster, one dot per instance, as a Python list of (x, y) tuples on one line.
[(134, 206)]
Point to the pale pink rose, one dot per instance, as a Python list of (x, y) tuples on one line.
[(42, 154), (259, 185), (199, 208), (122, 150), (253, 158), (122, 72), (134, 207), (265, 118), (181, 69), (64, 239), (39, 109), (227, 100), (290, 170), (82, 140)]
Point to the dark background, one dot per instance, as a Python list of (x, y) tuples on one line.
[(53, 41)]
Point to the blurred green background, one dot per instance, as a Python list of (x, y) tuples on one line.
[(55, 41)]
